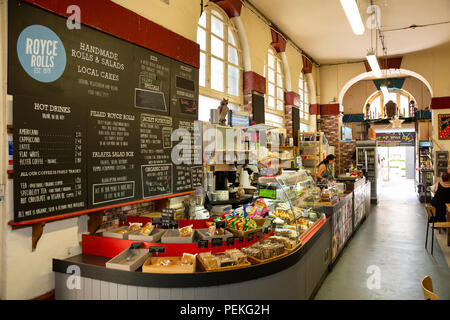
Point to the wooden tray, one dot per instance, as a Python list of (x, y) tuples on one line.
[(154, 236), (119, 262), (203, 235), (239, 233), (258, 261), (173, 236), (113, 234), (203, 267), (149, 266)]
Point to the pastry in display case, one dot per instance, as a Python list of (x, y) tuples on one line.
[(289, 212)]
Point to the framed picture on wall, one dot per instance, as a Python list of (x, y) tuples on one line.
[(444, 126)]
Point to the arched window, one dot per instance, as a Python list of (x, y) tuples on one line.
[(304, 102), (273, 72), (378, 100), (220, 61)]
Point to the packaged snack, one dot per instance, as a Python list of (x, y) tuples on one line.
[(237, 256), (259, 209), (188, 258), (225, 261), (134, 226), (211, 228), (186, 231), (121, 231), (211, 262)]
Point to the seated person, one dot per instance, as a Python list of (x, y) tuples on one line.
[(441, 197)]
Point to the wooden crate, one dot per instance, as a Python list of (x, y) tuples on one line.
[(204, 268), (254, 260), (240, 233), (120, 262), (173, 236), (203, 235), (154, 236), (150, 267)]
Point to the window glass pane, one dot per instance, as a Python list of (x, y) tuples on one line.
[(217, 75), (217, 47), (404, 105), (306, 97), (201, 38), (217, 26), (231, 37), (271, 102), (271, 75), (301, 76), (271, 89), (233, 55), (279, 80), (280, 94), (280, 105), (271, 61), (278, 66), (233, 80), (202, 71), (204, 105), (307, 115), (273, 118), (301, 95), (202, 20)]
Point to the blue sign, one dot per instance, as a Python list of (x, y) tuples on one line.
[(41, 53)]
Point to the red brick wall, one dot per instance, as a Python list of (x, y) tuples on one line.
[(346, 149)]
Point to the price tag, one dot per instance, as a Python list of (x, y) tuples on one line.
[(230, 241), (167, 213), (202, 244), (156, 220), (241, 239), (157, 249), (217, 242), (259, 234), (250, 237), (174, 224)]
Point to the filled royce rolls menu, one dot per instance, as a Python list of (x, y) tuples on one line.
[(49, 158), (112, 151)]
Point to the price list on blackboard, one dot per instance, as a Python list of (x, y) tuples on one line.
[(111, 156), (48, 157)]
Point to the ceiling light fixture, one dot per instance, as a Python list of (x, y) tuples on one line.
[(373, 62), (353, 16)]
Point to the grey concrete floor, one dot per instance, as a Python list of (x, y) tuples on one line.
[(392, 241)]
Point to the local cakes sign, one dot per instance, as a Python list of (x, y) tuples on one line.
[(71, 84)]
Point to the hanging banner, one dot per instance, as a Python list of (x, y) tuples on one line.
[(396, 139)]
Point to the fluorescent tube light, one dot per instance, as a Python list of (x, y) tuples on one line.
[(353, 16), (385, 91), (373, 62)]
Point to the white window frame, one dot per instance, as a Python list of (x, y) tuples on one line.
[(303, 91), (206, 90), (278, 71)]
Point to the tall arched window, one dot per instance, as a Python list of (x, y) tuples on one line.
[(273, 72), (377, 101), (220, 61), (304, 102)]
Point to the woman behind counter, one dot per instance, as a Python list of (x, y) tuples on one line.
[(325, 170)]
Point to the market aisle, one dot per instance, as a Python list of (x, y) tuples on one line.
[(393, 239)]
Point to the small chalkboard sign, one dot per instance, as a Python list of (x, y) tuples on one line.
[(220, 225), (241, 239), (250, 237), (174, 224), (259, 234), (230, 241), (156, 220), (217, 242), (167, 214), (157, 249), (202, 244)]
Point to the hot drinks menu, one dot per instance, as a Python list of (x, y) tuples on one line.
[(97, 120)]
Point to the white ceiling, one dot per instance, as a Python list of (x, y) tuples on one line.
[(321, 28)]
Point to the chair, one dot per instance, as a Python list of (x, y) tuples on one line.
[(431, 212), (427, 288)]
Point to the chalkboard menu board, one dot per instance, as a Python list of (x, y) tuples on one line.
[(184, 91), (49, 175), (94, 118)]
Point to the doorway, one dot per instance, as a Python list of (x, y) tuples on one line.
[(397, 163)]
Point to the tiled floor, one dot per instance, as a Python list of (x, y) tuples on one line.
[(392, 241)]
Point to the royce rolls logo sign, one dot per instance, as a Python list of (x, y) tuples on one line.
[(41, 53)]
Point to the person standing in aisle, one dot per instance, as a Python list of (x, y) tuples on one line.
[(441, 197), (325, 170)]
